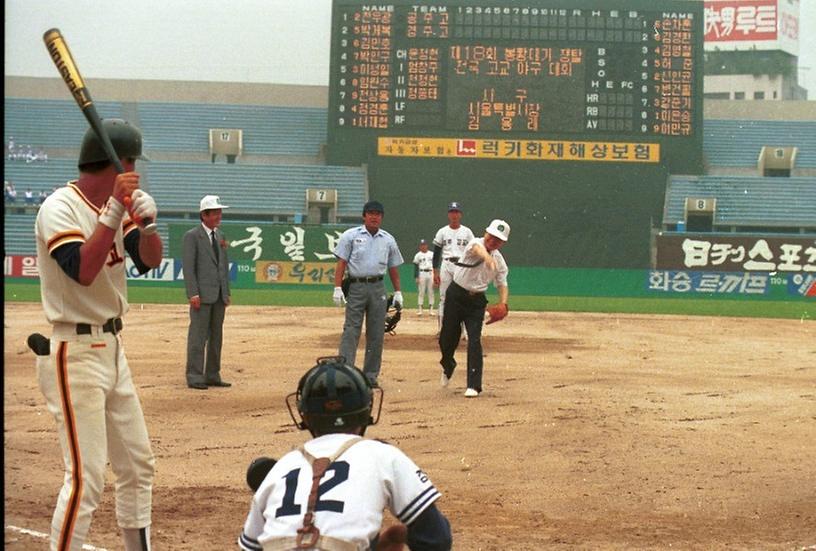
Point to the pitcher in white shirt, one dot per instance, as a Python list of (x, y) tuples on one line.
[(480, 264)]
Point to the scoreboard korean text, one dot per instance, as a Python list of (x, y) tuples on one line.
[(546, 80)]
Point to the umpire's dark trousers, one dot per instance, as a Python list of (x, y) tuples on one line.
[(462, 305)]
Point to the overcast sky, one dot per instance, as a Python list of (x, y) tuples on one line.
[(266, 41)]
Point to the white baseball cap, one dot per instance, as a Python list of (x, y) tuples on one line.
[(211, 202), (499, 228)]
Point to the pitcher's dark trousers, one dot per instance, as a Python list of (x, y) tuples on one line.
[(463, 306)]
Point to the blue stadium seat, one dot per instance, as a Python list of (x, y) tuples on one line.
[(18, 233), (737, 143), (267, 130), (254, 189), (50, 123), (744, 201)]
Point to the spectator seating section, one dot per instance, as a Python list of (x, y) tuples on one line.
[(18, 233), (758, 202), (254, 189), (50, 123), (39, 176), (737, 143), (267, 130)]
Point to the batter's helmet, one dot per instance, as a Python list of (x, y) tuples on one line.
[(333, 397), (125, 137)]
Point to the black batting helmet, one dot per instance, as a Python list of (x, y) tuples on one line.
[(333, 397), (125, 137)]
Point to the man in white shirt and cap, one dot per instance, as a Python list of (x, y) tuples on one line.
[(480, 264), (206, 276)]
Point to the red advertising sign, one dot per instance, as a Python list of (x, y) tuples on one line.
[(741, 20), (21, 266)]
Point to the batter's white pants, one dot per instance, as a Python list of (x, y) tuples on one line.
[(425, 287), (88, 388)]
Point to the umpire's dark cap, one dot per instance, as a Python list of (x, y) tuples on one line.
[(373, 206), (454, 206)]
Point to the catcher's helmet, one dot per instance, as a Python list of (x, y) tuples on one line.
[(333, 397), (125, 137)]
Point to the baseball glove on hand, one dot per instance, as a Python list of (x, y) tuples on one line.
[(392, 538), (257, 471), (393, 315), (497, 312)]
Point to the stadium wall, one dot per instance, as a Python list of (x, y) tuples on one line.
[(560, 215)]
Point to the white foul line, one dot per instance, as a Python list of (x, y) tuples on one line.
[(42, 536)]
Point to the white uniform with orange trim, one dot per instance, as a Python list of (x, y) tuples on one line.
[(86, 379)]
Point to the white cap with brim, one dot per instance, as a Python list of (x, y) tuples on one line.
[(500, 229), (211, 202)]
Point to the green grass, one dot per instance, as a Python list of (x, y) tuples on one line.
[(801, 310)]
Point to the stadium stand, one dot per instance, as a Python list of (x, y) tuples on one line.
[(255, 189), (40, 176), (50, 123), (18, 232), (737, 143), (267, 130), (747, 204)]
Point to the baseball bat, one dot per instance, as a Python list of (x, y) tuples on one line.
[(64, 61)]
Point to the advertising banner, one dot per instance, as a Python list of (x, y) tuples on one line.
[(249, 242), (752, 24), (525, 150), (732, 253)]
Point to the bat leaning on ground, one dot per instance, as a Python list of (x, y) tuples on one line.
[(61, 56)]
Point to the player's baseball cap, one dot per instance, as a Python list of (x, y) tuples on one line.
[(454, 206), (211, 202), (373, 206), (423, 242), (499, 228)]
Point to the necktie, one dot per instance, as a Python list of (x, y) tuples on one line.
[(214, 245)]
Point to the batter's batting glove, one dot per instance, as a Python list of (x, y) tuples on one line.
[(338, 296), (143, 206), (398, 299)]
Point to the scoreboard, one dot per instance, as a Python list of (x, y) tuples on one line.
[(547, 80)]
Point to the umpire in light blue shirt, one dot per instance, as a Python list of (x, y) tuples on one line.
[(366, 252)]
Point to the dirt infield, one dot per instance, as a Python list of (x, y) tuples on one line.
[(594, 431)]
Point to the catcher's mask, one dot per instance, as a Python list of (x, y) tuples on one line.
[(334, 397)]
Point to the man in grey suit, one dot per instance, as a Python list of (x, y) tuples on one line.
[(206, 276)]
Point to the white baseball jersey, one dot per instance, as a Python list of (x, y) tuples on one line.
[(477, 278), (86, 380), (453, 241), (424, 261), (367, 478), (67, 216)]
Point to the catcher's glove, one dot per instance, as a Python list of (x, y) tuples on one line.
[(497, 312), (392, 538), (257, 471), (393, 315)]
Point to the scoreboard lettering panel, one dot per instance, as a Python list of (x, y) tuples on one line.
[(474, 77)]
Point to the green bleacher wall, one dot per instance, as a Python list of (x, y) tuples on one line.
[(562, 215)]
